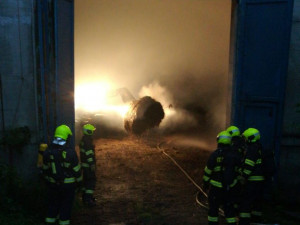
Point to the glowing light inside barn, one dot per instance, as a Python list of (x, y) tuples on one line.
[(176, 52), (97, 97)]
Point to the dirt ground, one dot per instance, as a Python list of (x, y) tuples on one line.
[(138, 184)]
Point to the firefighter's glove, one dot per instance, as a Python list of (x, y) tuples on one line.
[(242, 180)]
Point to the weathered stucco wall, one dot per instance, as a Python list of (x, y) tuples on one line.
[(17, 70)]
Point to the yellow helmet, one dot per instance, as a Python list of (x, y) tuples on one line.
[(88, 129), (63, 131), (251, 135), (224, 137), (234, 131)]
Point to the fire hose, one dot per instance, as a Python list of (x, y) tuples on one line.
[(199, 202)]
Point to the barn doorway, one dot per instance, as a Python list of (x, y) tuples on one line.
[(177, 52)]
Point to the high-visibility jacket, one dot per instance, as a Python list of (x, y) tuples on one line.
[(87, 152), (61, 165), (252, 167), (238, 145), (222, 168)]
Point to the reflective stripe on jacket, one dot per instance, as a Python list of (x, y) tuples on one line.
[(87, 151), (61, 165), (222, 168), (252, 167)]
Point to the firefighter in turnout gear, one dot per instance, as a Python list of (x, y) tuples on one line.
[(237, 142), (62, 172), (88, 164), (253, 179), (220, 177), (238, 146)]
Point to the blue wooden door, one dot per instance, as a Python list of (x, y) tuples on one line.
[(261, 60)]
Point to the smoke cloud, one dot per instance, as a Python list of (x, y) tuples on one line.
[(176, 51)]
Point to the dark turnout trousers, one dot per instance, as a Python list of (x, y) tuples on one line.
[(251, 203), (60, 202), (219, 197)]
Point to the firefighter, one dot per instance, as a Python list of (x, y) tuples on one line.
[(88, 164), (220, 177), (253, 179), (61, 169), (237, 142), (238, 146)]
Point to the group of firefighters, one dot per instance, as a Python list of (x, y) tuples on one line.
[(65, 173), (234, 177)]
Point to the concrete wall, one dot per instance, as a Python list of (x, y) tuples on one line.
[(17, 70), (290, 144)]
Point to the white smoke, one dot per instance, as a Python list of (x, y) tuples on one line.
[(175, 51), (158, 92), (176, 118)]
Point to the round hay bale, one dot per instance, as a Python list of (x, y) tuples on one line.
[(143, 114)]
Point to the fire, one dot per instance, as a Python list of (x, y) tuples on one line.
[(96, 97), (120, 109)]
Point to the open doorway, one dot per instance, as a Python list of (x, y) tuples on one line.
[(177, 52)]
